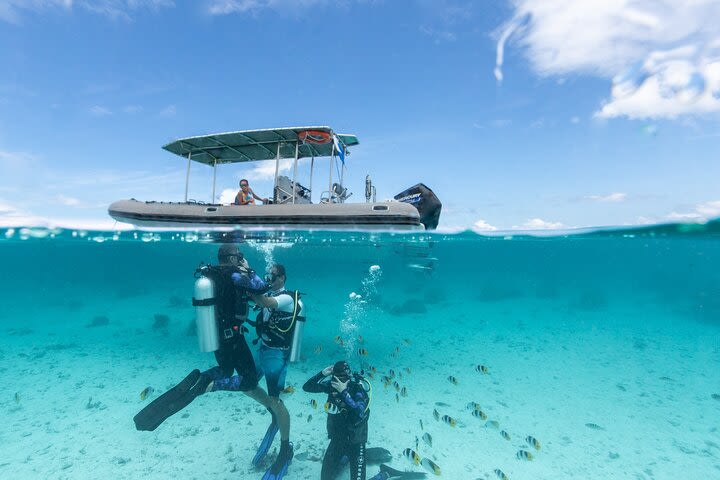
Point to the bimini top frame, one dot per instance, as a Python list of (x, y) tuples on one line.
[(266, 144)]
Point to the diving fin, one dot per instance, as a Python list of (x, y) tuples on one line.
[(266, 442), (171, 402), (392, 473), (278, 469)]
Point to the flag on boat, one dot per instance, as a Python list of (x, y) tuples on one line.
[(339, 149)]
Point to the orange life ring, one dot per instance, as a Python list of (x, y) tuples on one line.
[(317, 137)]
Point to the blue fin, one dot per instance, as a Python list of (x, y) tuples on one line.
[(266, 443)]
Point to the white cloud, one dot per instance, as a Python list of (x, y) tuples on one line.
[(701, 213), (615, 197), (68, 201), (265, 170), (100, 111), (540, 224), (11, 10), (663, 56), (228, 195), (224, 7), (132, 109), (13, 159), (482, 226)]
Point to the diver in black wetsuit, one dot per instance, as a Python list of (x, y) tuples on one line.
[(234, 355), (348, 408)]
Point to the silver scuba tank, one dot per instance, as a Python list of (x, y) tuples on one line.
[(296, 346), (207, 330)]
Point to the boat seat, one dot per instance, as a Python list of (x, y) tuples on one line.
[(284, 191), (338, 194)]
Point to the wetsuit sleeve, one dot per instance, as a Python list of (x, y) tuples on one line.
[(317, 384), (356, 404)]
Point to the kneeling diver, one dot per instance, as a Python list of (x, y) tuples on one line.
[(348, 408)]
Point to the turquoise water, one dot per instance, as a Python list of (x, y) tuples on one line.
[(602, 346)]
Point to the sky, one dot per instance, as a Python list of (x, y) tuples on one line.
[(519, 114)]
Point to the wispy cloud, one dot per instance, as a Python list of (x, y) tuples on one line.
[(663, 57), (168, 111), (100, 111), (12, 10), (700, 213), (438, 36), (615, 197), (540, 224)]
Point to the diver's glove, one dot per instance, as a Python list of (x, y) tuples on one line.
[(250, 282)]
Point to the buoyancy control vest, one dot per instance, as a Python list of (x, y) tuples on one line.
[(279, 328), (230, 303), (341, 423)]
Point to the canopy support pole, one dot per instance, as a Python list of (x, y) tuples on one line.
[(312, 164), (214, 176), (277, 170), (332, 157), (297, 151), (187, 177)]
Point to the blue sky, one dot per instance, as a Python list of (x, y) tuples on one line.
[(518, 114)]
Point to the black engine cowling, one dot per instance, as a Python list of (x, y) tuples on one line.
[(427, 204)]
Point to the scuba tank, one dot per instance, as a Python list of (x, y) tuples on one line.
[(204, 302), (296, 345)]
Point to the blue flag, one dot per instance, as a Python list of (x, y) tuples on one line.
[(339, 149)]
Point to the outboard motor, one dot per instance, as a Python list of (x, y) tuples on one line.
[(427, 204)]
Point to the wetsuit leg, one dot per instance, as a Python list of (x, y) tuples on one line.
[(332, 460), (356, 453), (230, 357)]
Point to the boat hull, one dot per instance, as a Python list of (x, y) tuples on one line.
[(336, 216)]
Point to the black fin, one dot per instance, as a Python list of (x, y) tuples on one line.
[(170, 402), (375, 455), (404, 475)]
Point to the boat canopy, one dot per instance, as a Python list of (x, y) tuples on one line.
[(267, 144)]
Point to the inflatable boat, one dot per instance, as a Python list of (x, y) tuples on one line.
[(291, 205)]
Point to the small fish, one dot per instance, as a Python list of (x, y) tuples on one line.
[(309, 419), (421, 425), (400, 375), (427, 438), (442, 404), (397, 349), (430, 466), (407, 341), (436, 414), (449, 420), (533, 442), (482, 369), (361, 339), (403, 392), (313, 403), (479, 414), (289, 389), (407, 370), (391, 372), (397, 398), (362, 352), (501, 475), (386, 380), (410, 454), (505, 435), (393, 355), (715, 396), (473, 406), (492, 424), (453, 380), (318, 349), (417, 443), (372, 369), (396, 385), (338, 339), (371, 375), (594, 426), (147, 391), (524, 455), (17, 398), (331, 408)]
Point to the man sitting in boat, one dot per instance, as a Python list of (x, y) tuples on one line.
[(246, 196)]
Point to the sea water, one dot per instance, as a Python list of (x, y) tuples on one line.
[(602, 346)]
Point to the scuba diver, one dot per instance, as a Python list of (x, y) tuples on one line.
[(278, 329), (221, 312), (348, 408)]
